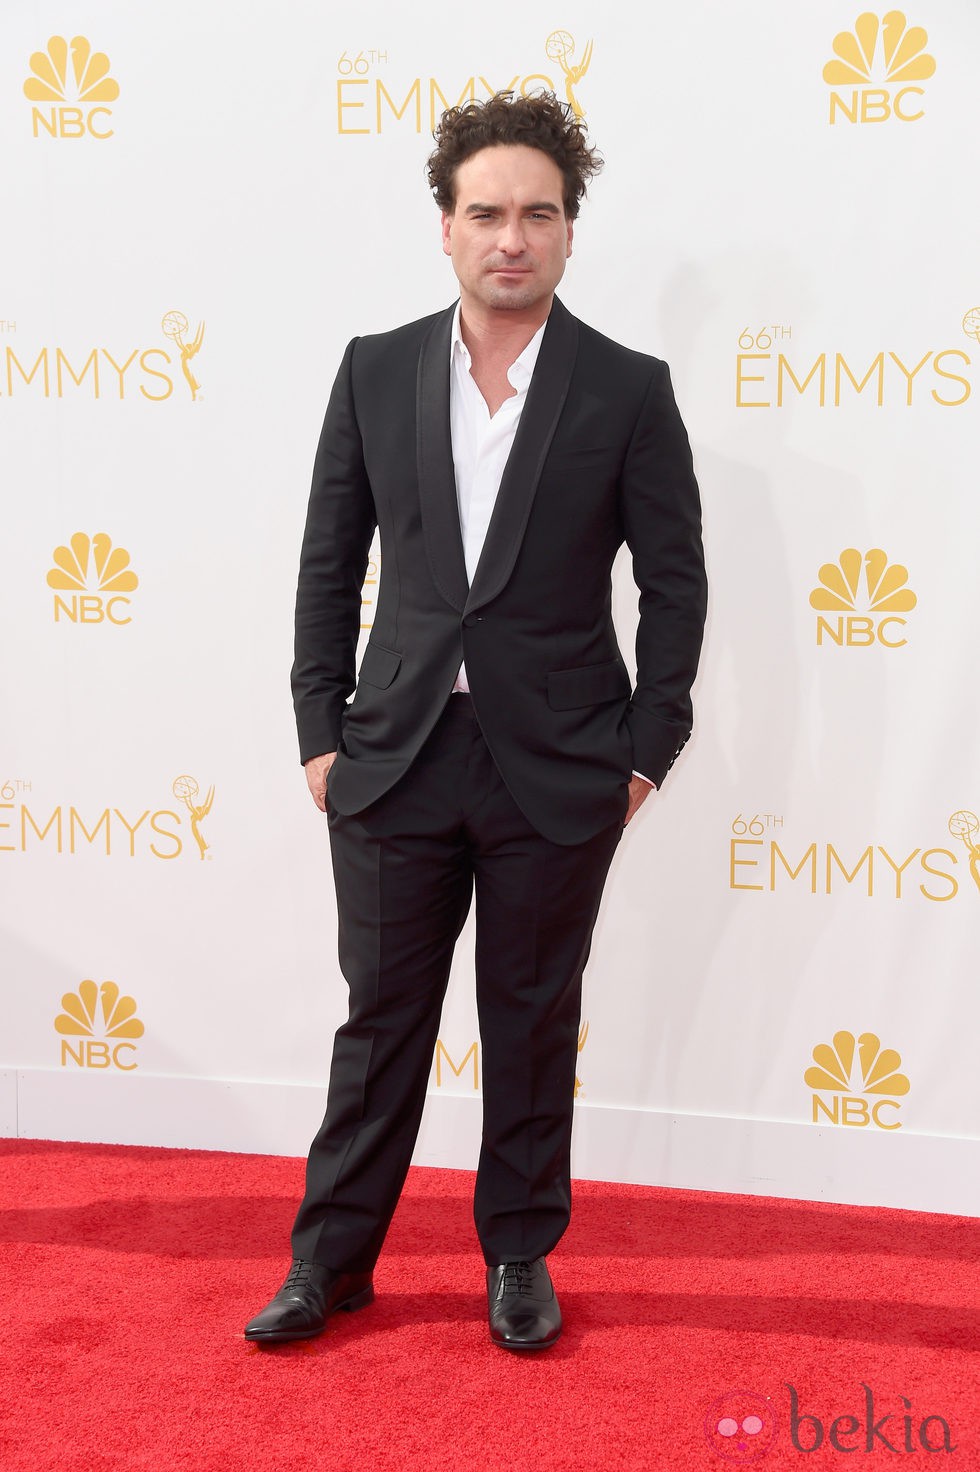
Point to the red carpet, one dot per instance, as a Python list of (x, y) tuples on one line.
[(702, 1331)]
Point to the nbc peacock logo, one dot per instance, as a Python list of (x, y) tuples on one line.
[(97, 1025), (97, 575), (856, 1102), (74, 82), (877, 64), (867, 593)]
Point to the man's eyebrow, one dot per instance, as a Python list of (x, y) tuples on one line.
[(545, 207)]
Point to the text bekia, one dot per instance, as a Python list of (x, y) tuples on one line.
[(893, 1432)]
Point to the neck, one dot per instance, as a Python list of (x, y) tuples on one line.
[(490, 332)]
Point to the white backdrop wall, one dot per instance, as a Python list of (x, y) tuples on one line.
[(200, 210)]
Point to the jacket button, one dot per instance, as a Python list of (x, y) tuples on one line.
[(471, 619)]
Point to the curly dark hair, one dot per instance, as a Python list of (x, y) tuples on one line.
[(538, 121)]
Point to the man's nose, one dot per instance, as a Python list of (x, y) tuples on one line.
[(511, 237)]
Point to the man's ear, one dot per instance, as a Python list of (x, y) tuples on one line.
[(447, 230), (568, 241)]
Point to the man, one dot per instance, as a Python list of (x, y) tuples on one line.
[(505, 451)]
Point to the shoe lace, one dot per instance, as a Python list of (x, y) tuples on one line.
[(299, 1274), (518, 1278)]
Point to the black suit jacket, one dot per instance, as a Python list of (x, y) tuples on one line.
[(601, 456)]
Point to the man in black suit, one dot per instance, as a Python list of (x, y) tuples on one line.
[(505, 451)]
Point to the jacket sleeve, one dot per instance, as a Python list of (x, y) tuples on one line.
[(340, 523), (662, 521)]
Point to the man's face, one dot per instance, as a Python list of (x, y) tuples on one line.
[(508, 235)]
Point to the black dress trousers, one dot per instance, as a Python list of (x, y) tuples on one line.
[(405, 870)]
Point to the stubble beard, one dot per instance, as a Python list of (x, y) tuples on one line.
[(512, 298)]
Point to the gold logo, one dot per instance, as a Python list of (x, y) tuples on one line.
[(97, 575), (886, 51), (759, 863), (583, 1037), (903, 50), (174, 326), (368, 595), (28, 827), (840, 592), (109, 566), (966, 825), (886, 588), (56, 372), (560, 48), (879, 1073), (88, 83), (185, 789), (442, 1058), (770, 362), (95, 1014)]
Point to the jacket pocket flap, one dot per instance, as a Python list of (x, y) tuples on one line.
[(591, 685), (379, 666)]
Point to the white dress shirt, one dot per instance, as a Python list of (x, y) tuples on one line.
[(481, 444)]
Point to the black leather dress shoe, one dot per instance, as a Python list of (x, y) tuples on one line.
[(524, 1312), (306, 1300)]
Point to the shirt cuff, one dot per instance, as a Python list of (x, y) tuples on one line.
[(646, 779)]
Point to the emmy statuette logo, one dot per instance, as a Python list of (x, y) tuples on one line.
[(97, 575), (966, 826), (175, 326), (560, 48), (72, 78), (94, 1025), (186, 790)]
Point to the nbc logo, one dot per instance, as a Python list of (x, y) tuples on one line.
[(879, 1077), (96, 574), (98, 1010), (887, 52), (87, 83), (839, 592)]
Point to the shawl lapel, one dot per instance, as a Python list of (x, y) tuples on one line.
[(539, 420), (434, 456), (437, 478)]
